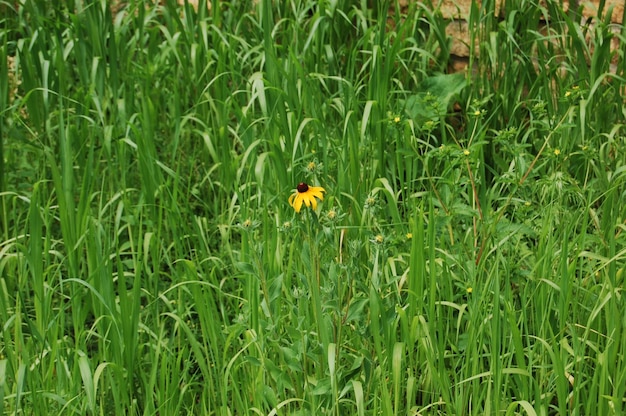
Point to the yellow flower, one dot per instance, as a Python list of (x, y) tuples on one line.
[(370, 202), (466, 152), (307, 194), (409, 236), (396, 119), (557, 152), (469, 290)]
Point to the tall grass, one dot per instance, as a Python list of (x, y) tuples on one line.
[(467, 259)]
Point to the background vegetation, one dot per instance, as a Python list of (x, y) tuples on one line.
[(467, 259)]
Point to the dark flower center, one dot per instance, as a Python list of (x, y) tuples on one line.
[(302, 187)]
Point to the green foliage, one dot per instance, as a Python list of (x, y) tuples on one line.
[(468, 257)]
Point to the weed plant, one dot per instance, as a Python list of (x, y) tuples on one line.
[(467, 258)]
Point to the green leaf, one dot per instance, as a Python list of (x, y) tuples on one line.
[(435, 94)]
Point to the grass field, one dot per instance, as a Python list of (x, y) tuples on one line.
[(467, 257)]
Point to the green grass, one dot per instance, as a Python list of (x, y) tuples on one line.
[(467, 259)]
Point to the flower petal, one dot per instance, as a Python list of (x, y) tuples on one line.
[(318, 194), (298, 203), (317, 189), (306, 198)]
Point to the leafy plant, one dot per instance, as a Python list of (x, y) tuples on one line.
[(466, 256)]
